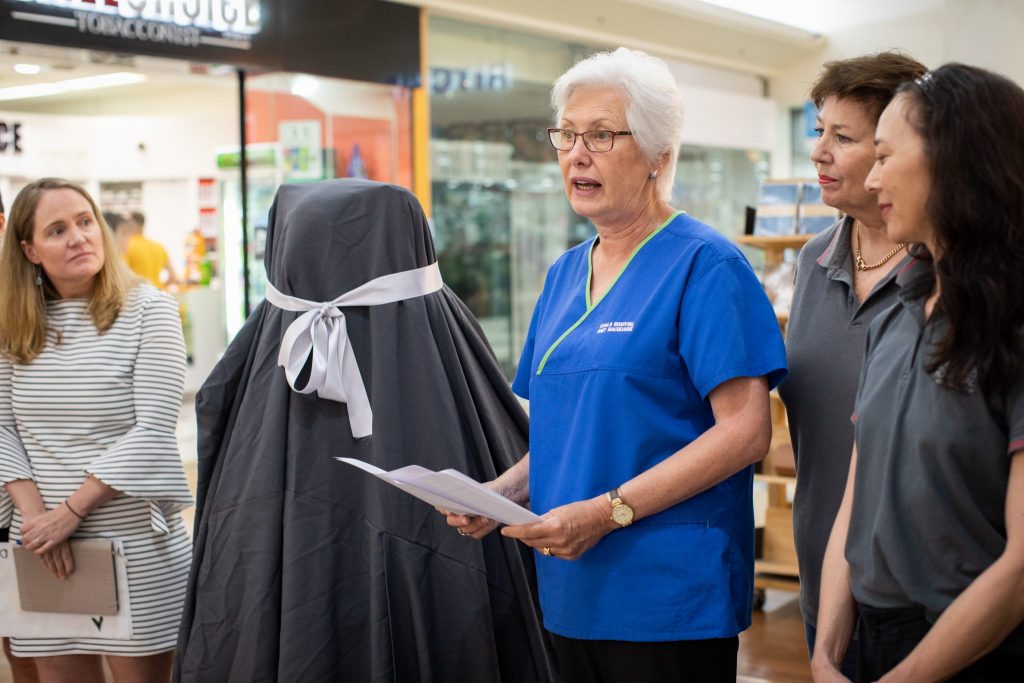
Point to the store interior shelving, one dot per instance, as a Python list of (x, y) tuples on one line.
[(776, 566)]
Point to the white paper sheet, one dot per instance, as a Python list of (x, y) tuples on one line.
[(16, 622), (452, 491)]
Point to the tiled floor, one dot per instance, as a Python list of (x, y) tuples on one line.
[(771, 651)]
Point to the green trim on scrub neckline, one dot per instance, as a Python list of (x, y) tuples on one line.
[(590, 272)]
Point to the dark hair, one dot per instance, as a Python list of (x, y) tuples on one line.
[(113, 220), (138, 218), (870, 80), (972, 124), (1, 204)]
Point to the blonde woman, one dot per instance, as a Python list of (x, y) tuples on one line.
[(91, 374)]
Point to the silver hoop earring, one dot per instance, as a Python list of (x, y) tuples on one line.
[(39, 276), (653, 175)]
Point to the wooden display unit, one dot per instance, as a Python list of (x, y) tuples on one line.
[(776, 565), (774, 246)]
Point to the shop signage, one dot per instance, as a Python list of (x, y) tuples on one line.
[(301, 149), (225, 23), (444, 81), (363, 40), (10, 138)]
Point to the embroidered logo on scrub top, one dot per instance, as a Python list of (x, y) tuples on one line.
[(617, 326)]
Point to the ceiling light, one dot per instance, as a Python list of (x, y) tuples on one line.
[(22, 92), (305, 86), (28, 69)]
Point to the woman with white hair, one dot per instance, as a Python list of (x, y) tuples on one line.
[(647, 365)]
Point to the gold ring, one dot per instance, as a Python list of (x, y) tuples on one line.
[(546, 550)]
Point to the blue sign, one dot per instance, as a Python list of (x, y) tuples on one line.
[(444, 81)]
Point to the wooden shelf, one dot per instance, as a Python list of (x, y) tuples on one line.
[(761, 582), (775, 478), (776, 568), (774, 241), (774, 246)]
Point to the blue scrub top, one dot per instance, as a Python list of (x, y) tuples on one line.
[(615, 387)]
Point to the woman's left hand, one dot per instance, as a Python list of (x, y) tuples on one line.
[(45, 532), (568, 531)]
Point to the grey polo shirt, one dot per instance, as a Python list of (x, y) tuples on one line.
[(825, 347), (933, 466)]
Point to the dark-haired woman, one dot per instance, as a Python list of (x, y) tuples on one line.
[(928, 545), (845, 277)]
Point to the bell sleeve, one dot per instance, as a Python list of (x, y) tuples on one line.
[(145, 462), (14, 464)]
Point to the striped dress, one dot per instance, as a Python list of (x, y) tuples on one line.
[(107, 405)]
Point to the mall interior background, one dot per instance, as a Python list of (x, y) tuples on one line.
[(165, 138), (162, 135)]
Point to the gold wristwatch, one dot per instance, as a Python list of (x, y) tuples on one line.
[(622, 514)]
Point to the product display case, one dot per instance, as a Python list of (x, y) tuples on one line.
[(263, 179), (495, 239)]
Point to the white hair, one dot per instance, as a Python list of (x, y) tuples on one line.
[(654, 107)]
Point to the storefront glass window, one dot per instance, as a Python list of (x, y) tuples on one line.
[(499, 211)]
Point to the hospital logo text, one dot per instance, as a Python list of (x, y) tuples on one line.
[(617, 326)]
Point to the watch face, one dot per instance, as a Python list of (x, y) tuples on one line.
[(622, 514)]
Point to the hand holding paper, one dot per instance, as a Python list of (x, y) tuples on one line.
[(452, 491)]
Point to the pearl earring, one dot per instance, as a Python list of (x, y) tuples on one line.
[(39, 276)]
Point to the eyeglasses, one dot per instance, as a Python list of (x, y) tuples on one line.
[(595, 140)]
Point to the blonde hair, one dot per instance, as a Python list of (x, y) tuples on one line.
[(23, 303)]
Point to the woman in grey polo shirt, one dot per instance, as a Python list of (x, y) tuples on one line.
[(928, 544), (845, 277)]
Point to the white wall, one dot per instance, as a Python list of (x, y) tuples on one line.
[(713, 118), (986, 33), (168, 154), (167, 205), (919, 35)]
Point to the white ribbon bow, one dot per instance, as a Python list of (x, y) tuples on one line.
[(321, 330)]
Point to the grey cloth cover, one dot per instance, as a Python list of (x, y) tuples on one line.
[(307, 569)]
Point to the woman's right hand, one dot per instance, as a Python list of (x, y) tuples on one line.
[(60, 560), (473, 525), (514, 484), (470, 525), (43, 533)]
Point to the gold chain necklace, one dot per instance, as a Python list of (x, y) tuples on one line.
[(858, 261)]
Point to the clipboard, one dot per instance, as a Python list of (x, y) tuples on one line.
[(90, 589)]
